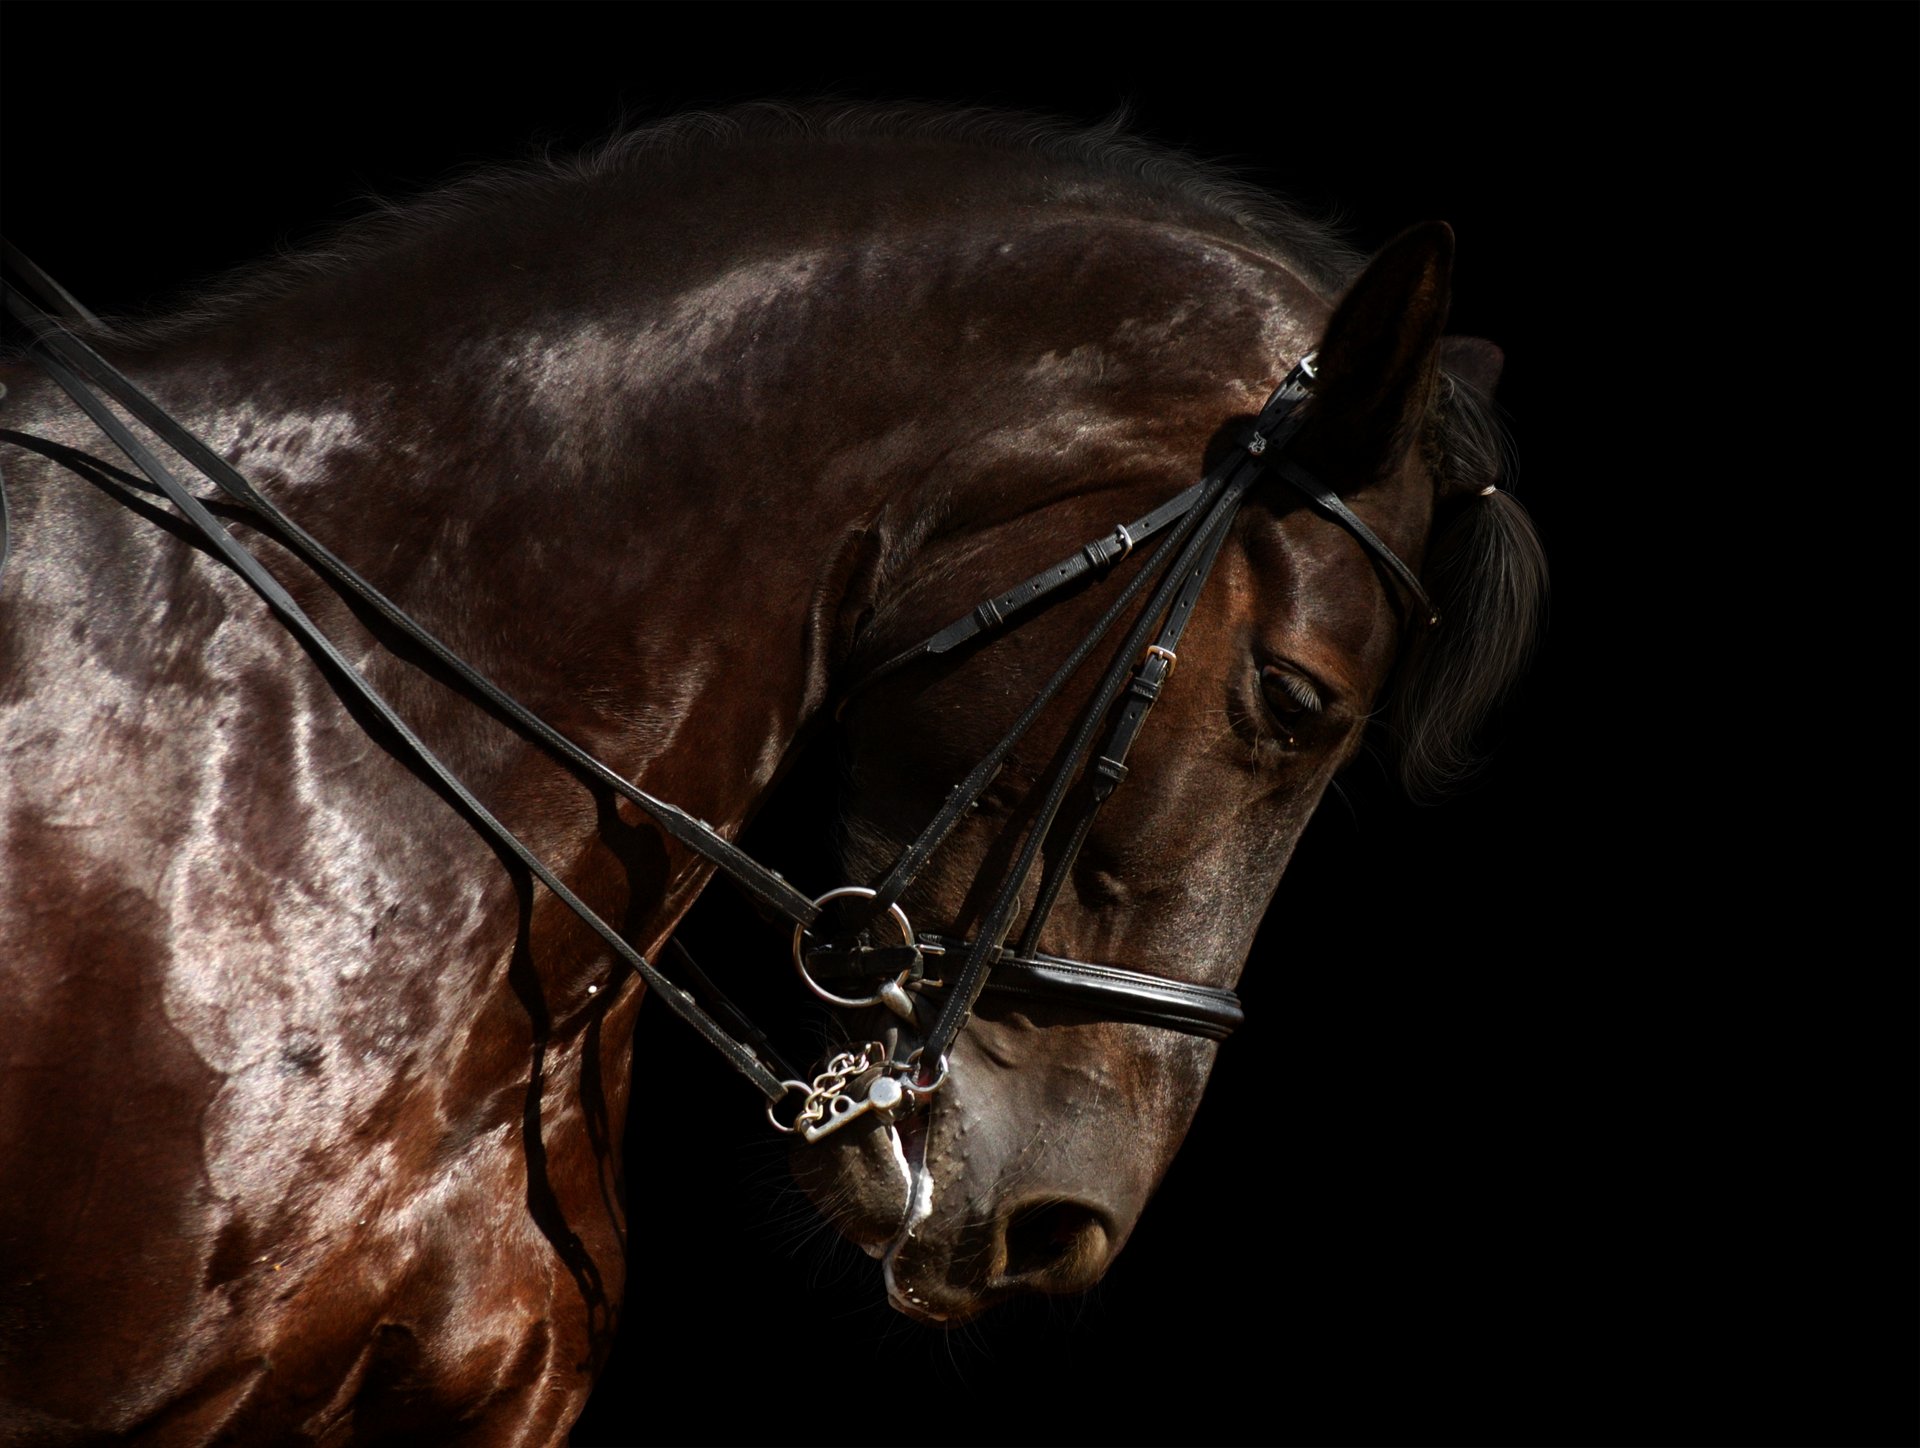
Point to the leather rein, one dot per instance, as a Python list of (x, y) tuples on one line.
[(851, 971)]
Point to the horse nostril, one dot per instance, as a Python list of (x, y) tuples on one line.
[(1057, 1246)]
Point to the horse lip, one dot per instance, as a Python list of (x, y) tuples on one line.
[(910, 1139), (859, 1181), (908, 1307), (880, 1250)]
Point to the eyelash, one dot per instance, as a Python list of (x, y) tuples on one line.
[(1304, 697)]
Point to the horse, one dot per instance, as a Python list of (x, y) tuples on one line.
[(685, 452)]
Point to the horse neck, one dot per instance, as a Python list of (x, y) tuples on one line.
[(644, 481), (654, 569)]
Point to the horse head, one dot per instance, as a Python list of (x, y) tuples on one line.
[(1030, 1164)]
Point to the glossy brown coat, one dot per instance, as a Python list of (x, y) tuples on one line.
[(312, 1106)]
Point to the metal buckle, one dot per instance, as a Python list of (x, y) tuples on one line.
[(1168, 654), (1091, 551)]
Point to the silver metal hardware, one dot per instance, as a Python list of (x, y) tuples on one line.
[(1307, 365), (840, 1111), (828, 1107), (893, 995), (854, 1002), (1095, 554), (1257, 444), (778, 1124), (914, 1088)]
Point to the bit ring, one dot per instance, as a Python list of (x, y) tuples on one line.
[(800, 959), (914, 1088), (792, 1086)]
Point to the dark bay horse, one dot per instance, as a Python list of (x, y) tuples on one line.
[(312, 1098)]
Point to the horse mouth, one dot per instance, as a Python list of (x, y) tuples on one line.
[(877, 1189), (910, 1146), (899, 1190), (861, 1180)]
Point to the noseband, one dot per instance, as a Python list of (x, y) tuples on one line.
[(931, 981)]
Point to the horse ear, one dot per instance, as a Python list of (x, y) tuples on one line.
[(1379, 355)]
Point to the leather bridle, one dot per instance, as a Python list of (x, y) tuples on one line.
[(1190, 529)]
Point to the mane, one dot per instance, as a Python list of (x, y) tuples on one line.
[(1148, 176), (1485, 570), (1487, 574), (1163, 178)]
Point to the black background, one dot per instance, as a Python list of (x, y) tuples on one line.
[(1577, 1110)]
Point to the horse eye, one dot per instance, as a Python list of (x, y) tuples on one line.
[(1291, 698)]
